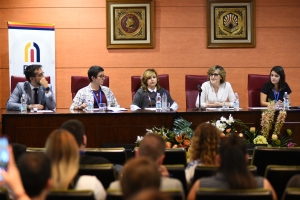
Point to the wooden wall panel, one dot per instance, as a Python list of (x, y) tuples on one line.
[(180, 45)]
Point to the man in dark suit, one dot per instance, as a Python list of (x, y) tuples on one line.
[(36, 89), (76, 128)]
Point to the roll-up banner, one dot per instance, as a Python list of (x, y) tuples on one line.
[(31, 43)]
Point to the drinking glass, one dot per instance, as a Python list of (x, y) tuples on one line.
[(225, 105), (102, 107)]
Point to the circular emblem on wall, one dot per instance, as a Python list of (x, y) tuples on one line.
[(130, 23)]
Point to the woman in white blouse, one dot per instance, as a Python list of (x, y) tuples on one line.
[(216, 90)]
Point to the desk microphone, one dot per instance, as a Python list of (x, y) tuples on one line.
[(200, 90)]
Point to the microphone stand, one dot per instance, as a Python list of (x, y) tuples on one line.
[(200, 90)]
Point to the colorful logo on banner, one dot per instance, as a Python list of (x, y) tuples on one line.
[(32, 52)]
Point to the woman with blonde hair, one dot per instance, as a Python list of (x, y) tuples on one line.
[(216, 90), (63, 151), (204, 148), (146, 95)]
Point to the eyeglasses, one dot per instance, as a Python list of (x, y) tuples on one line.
[(215, 75), (102, 76), (40, 75)]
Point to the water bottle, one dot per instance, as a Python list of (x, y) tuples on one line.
[(236, 103), (286, 101), (90, 106), (23, 106), (164, 102), (158, 102)]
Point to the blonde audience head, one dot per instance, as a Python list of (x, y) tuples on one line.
[(62, 149)]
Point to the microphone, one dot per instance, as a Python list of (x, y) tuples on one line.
[(200, 90)]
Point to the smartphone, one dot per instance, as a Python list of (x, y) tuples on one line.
[(4, 156)]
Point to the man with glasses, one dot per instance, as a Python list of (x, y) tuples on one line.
[(95, 93), (37, 91)]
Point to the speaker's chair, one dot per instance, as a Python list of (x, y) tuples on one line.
[(191, 89), (255, 83)]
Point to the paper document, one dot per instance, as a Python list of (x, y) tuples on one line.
[(43, 111)]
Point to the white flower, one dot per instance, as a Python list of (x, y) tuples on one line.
[(230, 119), (148, 131), (223, 119), (139, 138), (274, 137)]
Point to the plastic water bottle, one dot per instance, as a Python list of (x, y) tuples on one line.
[(90, 106), (236, 103), (158, 102), (286, 101), (164, 102), (23, 106)]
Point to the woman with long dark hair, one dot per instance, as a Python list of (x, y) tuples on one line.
[(275, 88), (233, 172)]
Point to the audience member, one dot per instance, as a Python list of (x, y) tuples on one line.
[(35, 171), (203, 149), (275, 88), (76, 128), (95, 91), (146, 96), (216, 90), (153, 146), (36, 89), (233, 171), (139, 174), (11, 178), (62, 149)]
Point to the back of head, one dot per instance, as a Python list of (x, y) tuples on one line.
[(94, 71), (35, 171), (138, 174), (30, 71), (205, 144), (152, 146), (233, 163), (63, 151), (76, 128), (147, 75)]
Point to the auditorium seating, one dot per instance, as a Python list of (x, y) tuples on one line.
[(175, 156), (78, 82), (264, 156), (105, 173), (70, 195), (178, 172), (292, 194), (14, 80), (255, 83), (279, 175), (191, 89), (207, 171), (136, 83), (231, 194), (114, 155)]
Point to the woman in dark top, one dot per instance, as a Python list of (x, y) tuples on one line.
[(145, 97), (233, 172), (275, 88)]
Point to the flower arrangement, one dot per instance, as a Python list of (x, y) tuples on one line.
[(262, 136), (227, 126), (179, 137)]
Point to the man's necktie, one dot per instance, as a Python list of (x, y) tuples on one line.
[(36, 101)]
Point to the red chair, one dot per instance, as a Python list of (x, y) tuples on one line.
[(136, 83), (191, 89), (14, 80), (255, 83), (78, 82)]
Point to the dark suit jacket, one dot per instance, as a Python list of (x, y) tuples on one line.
[(14, 100)]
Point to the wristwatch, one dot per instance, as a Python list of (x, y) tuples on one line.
[(47, 89)]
